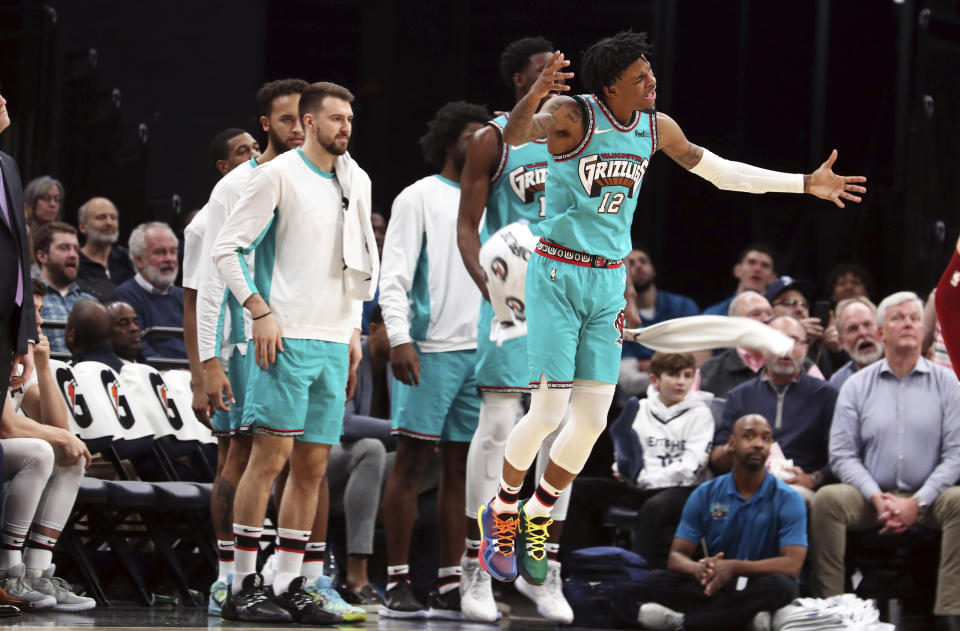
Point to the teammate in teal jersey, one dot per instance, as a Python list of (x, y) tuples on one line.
[(509, 181), (601, 144)]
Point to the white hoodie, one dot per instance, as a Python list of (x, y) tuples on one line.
[(676, 440)]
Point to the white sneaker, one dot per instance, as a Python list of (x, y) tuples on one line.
[(659, 618), (476, 593), (14, 582), (61, 590), (762, 621), (548, 597)]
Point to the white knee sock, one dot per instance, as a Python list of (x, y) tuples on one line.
[(589, 403), (498, 415), (52, 512), (246, 545), (547, 408), (27, 466)]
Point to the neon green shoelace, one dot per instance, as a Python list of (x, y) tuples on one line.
[(536, 537)]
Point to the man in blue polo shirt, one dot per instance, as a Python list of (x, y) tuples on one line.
[(752, 529)]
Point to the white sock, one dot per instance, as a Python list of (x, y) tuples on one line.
[(225, 563), (448, 578), (506, 499), (543, 500), (396, 574), (39, 552), (246, 545), (313, 560), (290, 551)]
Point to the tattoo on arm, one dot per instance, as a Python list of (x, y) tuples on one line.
[(542, 124), (574, 115), (691, 157)]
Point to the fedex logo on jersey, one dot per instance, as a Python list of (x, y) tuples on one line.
[(611, 169), (528, 180)]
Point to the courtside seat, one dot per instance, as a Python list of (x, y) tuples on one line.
[(92, 491), (180, 496), (130, 494)]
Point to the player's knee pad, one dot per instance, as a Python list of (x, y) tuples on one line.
[(589, 404)]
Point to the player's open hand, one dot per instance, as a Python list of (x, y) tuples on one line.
[(826, 184), (406, 364), (552, 79), (267, 340)]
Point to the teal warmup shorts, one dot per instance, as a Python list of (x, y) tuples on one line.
[(445, 406), (574, 322), (302, 394), (237, 369), (499, 368)]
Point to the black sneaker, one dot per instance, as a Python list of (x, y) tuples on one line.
[(367, 597), (252, 603), (399, 602), (444, 606), (302, 608)]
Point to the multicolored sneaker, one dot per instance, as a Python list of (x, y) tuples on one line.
[(218, 595), (329, 599), (531, 554), (499, 533)]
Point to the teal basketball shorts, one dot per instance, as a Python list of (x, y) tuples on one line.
[(499, 368), (445, 406), (237, 369), (302, 394), (574, 321)]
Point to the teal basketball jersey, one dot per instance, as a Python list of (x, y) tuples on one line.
[(517, 186), (591, 192)]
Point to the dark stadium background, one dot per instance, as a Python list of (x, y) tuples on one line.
[(120, 98)]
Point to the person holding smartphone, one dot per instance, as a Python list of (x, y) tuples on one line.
[(792, 296)]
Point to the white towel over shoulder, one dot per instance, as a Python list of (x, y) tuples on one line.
[(704, 332), (361, 262)]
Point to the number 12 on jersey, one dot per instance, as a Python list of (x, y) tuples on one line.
[(614, 203)]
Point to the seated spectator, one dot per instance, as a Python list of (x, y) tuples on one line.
[(792, 297), (125, 336), (355, 466), (647, 305), (43, 199), (58, 253), (151, 293), (103, 264), (89, 327), (753, 531), (895, 446), (754, 271), (848, 280), (734, 366), (799, 407), (674, 429), (857, 325), (43, 466)]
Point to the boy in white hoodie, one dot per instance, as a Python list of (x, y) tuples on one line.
[(673, 432)]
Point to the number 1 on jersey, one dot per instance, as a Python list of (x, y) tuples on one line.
[(543, 205), (614, 206)]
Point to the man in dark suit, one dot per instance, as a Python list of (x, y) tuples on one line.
[(18, 328)]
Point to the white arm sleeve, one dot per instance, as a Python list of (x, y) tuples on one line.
[(401, 250), (737, 176), (244, 228)]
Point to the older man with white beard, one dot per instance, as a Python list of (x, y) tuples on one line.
[(799, 408), (103, 264), (856, 320), (151, 293)]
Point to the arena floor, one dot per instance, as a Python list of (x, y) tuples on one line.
[(185, 618)]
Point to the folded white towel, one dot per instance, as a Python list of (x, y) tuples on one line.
[(361, 261), (704, 332), (504, 259)]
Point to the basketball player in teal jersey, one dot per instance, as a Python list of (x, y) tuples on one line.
[(600, 145), (509, 182)]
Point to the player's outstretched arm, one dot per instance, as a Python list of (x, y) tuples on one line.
[(482, 153), (737, 176), (524, 123)]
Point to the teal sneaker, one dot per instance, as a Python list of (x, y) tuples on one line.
[(218, 594), (329, 599), (531, 541)]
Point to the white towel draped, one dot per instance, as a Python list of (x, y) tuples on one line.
[(705, 332), (360, 259)]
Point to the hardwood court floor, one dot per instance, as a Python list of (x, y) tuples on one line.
[(189, 619)]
